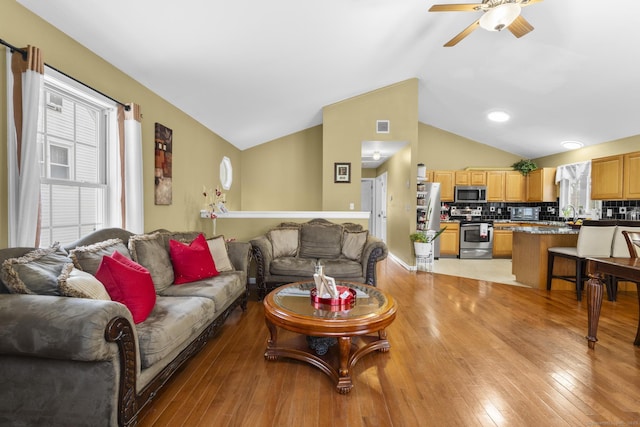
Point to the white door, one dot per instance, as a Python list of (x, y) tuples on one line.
[(366, 201), (380, 207)]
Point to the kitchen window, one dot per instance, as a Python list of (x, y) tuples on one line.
[(575, 201)]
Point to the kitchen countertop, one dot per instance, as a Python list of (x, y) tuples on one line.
[(543, 230)]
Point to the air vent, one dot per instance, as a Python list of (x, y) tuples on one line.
[(382, 126), (54, 102)]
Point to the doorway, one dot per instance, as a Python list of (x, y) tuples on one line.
[(373, 200)]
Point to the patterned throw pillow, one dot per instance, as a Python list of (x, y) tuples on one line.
[(353, 244), (149, 251), (218, 249), (129, 283), (191, 262), (80, 284), (284, 241), (88, 258), (36, 272)]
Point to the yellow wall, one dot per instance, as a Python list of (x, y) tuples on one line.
[(401, 201), (284, 174), (442, 150), (348, 123), (619, 146), (197, 152)]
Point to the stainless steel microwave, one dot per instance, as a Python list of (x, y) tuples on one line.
[(470, 194)]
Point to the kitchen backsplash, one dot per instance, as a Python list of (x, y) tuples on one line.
[(549, 211)]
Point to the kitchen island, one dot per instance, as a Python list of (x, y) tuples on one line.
[(529, 259)]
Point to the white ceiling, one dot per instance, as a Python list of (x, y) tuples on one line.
[(255, 70)]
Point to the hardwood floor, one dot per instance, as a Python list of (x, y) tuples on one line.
[(463, 353)]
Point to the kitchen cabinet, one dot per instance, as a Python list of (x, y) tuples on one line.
[(450, 239), (514, 187), (505, 186), (446, 180), (503, 240), (607, 178), (541, 186), (495, 186), (631, 174), (471, 178)]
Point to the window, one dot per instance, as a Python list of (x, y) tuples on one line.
[(73, 135), (575, 191)]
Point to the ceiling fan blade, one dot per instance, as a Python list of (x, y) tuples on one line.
[(454, 7), (520, 27), (464, 33)]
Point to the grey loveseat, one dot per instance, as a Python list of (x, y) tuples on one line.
[(291, 251), (77, 361)]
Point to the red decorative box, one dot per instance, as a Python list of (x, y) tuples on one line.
[(334, 304)]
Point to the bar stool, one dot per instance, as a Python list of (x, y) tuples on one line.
[(620, 249), (594, 240)]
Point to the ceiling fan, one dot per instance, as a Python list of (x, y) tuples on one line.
[(497, 15)]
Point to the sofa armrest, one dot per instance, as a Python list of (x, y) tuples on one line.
[(239, 254), (58, 327), (375, 250), (263, 255)]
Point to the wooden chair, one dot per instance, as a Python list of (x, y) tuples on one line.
[(620, 249), (594, 240), (633, 242)]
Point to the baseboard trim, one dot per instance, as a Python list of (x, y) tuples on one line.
[(402, 263)]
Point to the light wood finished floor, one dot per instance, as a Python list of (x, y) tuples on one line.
[(463, 353)]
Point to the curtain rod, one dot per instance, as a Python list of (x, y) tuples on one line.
[(24, 55)]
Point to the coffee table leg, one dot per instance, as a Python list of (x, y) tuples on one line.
[(344, 376), (269, 354), (594, 305)]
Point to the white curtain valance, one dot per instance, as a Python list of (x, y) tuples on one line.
[(573, 171)]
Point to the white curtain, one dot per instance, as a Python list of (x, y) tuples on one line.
[(24, 88), (133, 183), (127, 211)]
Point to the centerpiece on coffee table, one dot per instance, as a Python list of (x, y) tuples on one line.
[(327, 293)]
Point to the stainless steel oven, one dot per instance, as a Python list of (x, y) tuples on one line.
[(476, 240)]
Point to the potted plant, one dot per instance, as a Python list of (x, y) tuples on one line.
[(422, 241), (525, 166)]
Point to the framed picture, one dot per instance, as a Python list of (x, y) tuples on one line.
[(342, 172)]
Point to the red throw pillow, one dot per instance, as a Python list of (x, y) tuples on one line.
[(128, 283), (191, 262)]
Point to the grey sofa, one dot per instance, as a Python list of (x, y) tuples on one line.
[(76, 361), (291, 251)]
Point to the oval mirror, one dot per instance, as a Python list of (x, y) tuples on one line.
[(226, 173)]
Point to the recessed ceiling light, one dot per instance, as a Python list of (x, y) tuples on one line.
[(498, 116), (376, 155), (572, 145)]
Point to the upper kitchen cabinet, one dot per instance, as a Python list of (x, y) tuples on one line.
[(506, 186), (495, 186), (607, 177), (446, 180), (515, 189), (631, 175), (541, 186), (471, 178)]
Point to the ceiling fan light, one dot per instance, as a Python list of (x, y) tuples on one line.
[(376, 155), (500, 17), (572, 145)]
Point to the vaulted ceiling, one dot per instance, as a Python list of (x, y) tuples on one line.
[(254, 70)]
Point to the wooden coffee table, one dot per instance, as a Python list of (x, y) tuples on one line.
[(357, 331)]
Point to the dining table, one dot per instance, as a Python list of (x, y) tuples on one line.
[(598, 269)]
